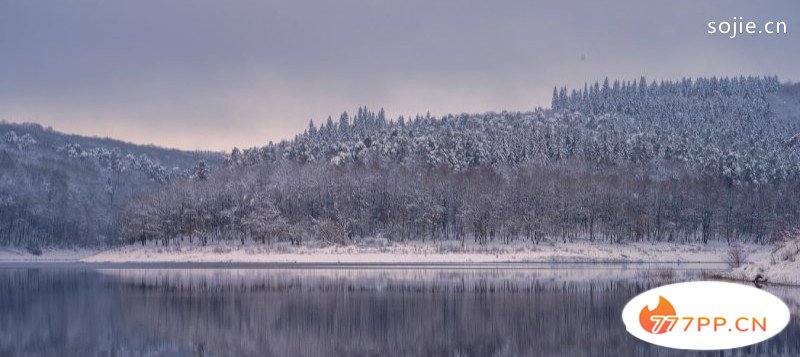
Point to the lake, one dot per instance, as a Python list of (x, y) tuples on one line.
[(458, 311)]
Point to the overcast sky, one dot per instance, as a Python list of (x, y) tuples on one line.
[(208, 74)]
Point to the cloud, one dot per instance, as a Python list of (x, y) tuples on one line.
[(212, 75)]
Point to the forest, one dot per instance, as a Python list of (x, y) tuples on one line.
[(694, 160), (67, 190)]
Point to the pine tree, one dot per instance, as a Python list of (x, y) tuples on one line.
[(200, 171)]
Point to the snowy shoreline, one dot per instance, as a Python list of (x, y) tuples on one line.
[(777, 263), (381, 252), (421, 253), (781, 264)]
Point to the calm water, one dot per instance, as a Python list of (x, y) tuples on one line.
[(556, 310)]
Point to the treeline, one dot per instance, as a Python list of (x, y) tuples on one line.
[(286, 201), (725, 128), (701, 98)]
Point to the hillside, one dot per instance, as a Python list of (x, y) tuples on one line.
[(709, 159), (738, 129), (65, 190), (695, 160)]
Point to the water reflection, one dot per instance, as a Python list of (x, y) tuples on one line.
[(339, 312)]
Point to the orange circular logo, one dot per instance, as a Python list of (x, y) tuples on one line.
[(652, 320)]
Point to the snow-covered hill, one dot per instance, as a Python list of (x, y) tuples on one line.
[(702, 160), (739, 129), (65, 190)]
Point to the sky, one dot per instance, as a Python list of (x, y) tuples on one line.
[(211, 75)]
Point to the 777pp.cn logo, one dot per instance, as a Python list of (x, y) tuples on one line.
[(705, 315), (664, 319)]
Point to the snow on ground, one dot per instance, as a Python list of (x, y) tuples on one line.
[(21, 255), (416, 252), (781, 265)]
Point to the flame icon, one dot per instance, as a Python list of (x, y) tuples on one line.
[(657, 325)]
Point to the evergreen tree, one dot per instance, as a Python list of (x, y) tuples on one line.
[(200, 171)]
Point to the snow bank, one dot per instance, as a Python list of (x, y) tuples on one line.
[(426, 253), (781, 265)]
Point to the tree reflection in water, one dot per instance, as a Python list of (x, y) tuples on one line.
[(319, 312)]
